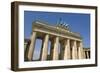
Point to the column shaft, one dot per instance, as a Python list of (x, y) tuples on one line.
[(45, 48), (80, 51), (67, 49), (51, 49), (61, 56), (84, 55), (74, 50), (55, 50), (87, 53), (31, 47)]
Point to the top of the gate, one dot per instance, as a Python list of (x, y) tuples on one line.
[(60, 24), (63, 25), (59, 27)]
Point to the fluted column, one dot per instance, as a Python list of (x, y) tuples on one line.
[(25, 45), (84, 55), (31, 47), (80, 51), (62, 49), (87, 53), (67, 49), (55, 50), (45, 48), (74, 50)]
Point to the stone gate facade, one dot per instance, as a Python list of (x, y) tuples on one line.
[(71, 46)]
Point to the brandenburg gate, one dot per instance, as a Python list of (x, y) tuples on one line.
[(71, 46)]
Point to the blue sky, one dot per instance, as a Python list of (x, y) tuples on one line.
[(78, 22)]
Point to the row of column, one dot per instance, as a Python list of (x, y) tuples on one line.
[(72, 49)]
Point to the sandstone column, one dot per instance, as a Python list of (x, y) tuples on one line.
[(62, 49), (74, 50), (87, 53), (55, 50), (31, 47), (80, 51), (51, 49), (67, 49), (84, 55), (45, 48)]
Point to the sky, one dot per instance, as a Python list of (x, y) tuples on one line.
[(78, 22)]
